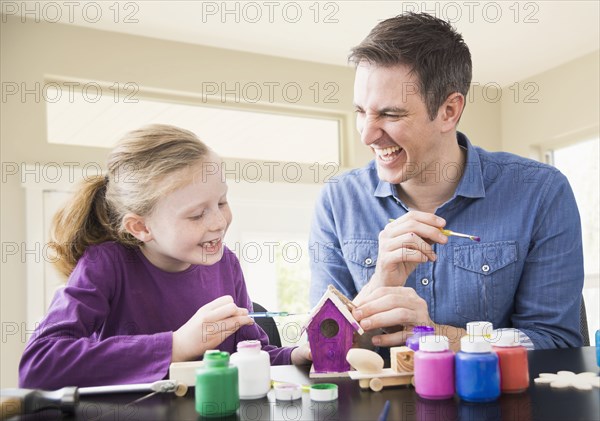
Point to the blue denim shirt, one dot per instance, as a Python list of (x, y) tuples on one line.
[(526, 273)]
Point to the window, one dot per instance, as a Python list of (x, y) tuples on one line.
[(233, 133), (579, 162)]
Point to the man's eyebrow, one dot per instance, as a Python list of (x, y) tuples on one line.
[(385, 110), (395, 110)]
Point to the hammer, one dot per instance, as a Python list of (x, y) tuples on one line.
[(26, 401)]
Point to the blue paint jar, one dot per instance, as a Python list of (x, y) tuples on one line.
[(477, 370), (413, 341)]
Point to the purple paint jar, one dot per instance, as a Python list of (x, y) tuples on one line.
[(413, 341), (434, 368)]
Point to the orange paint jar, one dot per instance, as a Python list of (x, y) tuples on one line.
[(514, 368)]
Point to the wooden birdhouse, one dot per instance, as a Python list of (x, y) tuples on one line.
[(330, 330)]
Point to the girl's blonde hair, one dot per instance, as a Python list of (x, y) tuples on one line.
[(140, 171)]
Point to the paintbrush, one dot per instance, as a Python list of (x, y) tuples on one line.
[(458, 234), (273, 314), (448, 233)]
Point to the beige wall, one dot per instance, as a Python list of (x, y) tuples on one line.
[(33, 51), (566, 110)]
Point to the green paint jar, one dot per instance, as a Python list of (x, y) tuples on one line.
[(217, 392)]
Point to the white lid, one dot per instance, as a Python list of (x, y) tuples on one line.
[(248, 345), (433, 343), (476, 344), (505, 337), (323, 392), (287, 391), (479, 328)]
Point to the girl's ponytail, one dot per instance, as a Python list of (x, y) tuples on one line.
[(83, 221)]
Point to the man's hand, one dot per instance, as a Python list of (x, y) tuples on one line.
[(403, 244), (389, 309)]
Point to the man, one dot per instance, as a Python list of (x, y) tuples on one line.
[(412, 76)]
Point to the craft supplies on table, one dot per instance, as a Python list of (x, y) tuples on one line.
[(512, 357), (217, 392), (477, 370), (254, 370), (434, 368)]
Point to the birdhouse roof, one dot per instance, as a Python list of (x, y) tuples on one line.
[(335, 297)]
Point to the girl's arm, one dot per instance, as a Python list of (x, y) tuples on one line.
[(66, 349)]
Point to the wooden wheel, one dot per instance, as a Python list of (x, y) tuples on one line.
[(376, 384)]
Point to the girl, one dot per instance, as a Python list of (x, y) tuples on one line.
[(150, 281)]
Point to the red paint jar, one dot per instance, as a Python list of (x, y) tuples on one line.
[(514, 369)]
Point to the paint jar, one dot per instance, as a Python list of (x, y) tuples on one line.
[(434, 368), (598, 347), (413, 341), (512, 357), (481, 328), (477, 370), (217, 386), (254, 370)]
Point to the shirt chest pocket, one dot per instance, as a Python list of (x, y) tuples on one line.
[(484, 279), (361, 258)]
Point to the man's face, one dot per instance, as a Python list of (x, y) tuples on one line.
[(393, 120)]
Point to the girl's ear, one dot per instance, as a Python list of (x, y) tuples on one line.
[(136, 226)]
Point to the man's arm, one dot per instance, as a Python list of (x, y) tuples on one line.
[(548, 299)]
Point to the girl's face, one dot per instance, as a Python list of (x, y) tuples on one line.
[(188, 225)]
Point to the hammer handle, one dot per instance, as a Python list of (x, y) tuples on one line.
[(10, 406)]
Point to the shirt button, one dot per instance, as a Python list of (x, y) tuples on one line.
[(485, 268), (368, 261), (424, 281)]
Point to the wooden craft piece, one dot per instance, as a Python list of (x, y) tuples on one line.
[(402, 359), (364, 360), (563, 379)]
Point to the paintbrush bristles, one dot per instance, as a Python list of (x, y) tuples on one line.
[(458, 234)]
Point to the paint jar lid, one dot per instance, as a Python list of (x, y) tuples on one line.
[(423, 329), (475, 344), (216, 359), (433, 343), (479, 328), (323, 392), (287, 391), (505, 337), (249, 345)]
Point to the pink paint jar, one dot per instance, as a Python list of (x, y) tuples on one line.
[(434, 368)]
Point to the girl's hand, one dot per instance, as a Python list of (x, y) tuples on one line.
[(301, 355), (208, 328), (403, 244)]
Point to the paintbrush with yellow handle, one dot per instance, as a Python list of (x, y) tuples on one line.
[(448, 233), (458, 234)]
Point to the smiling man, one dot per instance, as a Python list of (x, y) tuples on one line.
[(412, 76)]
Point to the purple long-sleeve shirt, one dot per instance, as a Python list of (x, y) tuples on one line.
[(113, 323)]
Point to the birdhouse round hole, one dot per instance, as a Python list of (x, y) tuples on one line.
[(329, 328)]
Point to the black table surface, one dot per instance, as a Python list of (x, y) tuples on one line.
[(539, 402)]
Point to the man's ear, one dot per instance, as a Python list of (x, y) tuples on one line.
[(136, 226), (451, 111)]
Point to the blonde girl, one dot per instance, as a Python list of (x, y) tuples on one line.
[(150, 280)]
